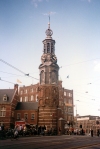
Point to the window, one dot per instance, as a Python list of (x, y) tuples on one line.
[(20, 99), (31, 89), (18, 116), (52, 48), (2, 111), (44, 48), (64, 93), (25, 116), (5, 97), (25, 91), (48, 48), (32, 97), (26, 98), (36, 98), (69, 94), (69, 101), (32, 116)]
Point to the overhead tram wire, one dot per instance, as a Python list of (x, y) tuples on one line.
[(11, 74), (86, 95), (6, 81), (79, 62), (17, 69)]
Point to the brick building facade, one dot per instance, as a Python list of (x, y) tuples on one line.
[(8, 102), (87, 123)]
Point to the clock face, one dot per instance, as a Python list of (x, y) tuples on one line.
[(49, 32)]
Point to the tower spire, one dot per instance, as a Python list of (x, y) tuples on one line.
[(49, 32), (49, 21)]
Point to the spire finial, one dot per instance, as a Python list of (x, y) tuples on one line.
[(49, 20), (49, 17)]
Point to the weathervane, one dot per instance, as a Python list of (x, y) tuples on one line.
[(49, 32), (49, 20)]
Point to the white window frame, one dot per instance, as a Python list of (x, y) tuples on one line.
[(36, 98), (26, 116), (32, 117), (2, 111), (21, 99), (64, 93), (26, 98), (18, 116), (32, 98)]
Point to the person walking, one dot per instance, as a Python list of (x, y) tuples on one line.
[(98, 132), (91, 132)]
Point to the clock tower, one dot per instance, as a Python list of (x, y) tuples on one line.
[(48, 92), (48, 67)]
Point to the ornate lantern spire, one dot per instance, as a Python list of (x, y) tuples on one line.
[(49, 32)]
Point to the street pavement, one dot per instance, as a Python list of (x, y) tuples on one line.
[(52, 142)]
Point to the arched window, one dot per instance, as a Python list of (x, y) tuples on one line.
[(48, 48), (44, 48), (52, 49)]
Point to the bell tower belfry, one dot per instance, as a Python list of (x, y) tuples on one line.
[(48, 92)]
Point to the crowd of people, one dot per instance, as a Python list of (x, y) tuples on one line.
[(25, 130)]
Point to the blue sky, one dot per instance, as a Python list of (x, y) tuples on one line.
[(76, 30)]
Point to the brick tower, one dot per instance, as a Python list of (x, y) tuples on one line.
[(48, 92)]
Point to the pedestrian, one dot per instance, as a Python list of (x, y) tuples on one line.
[(0, 128), (91, 133), (98, 132), (59, 130)]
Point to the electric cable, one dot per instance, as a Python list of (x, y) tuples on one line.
[(17, 69), (79, 62), (6, 81)]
